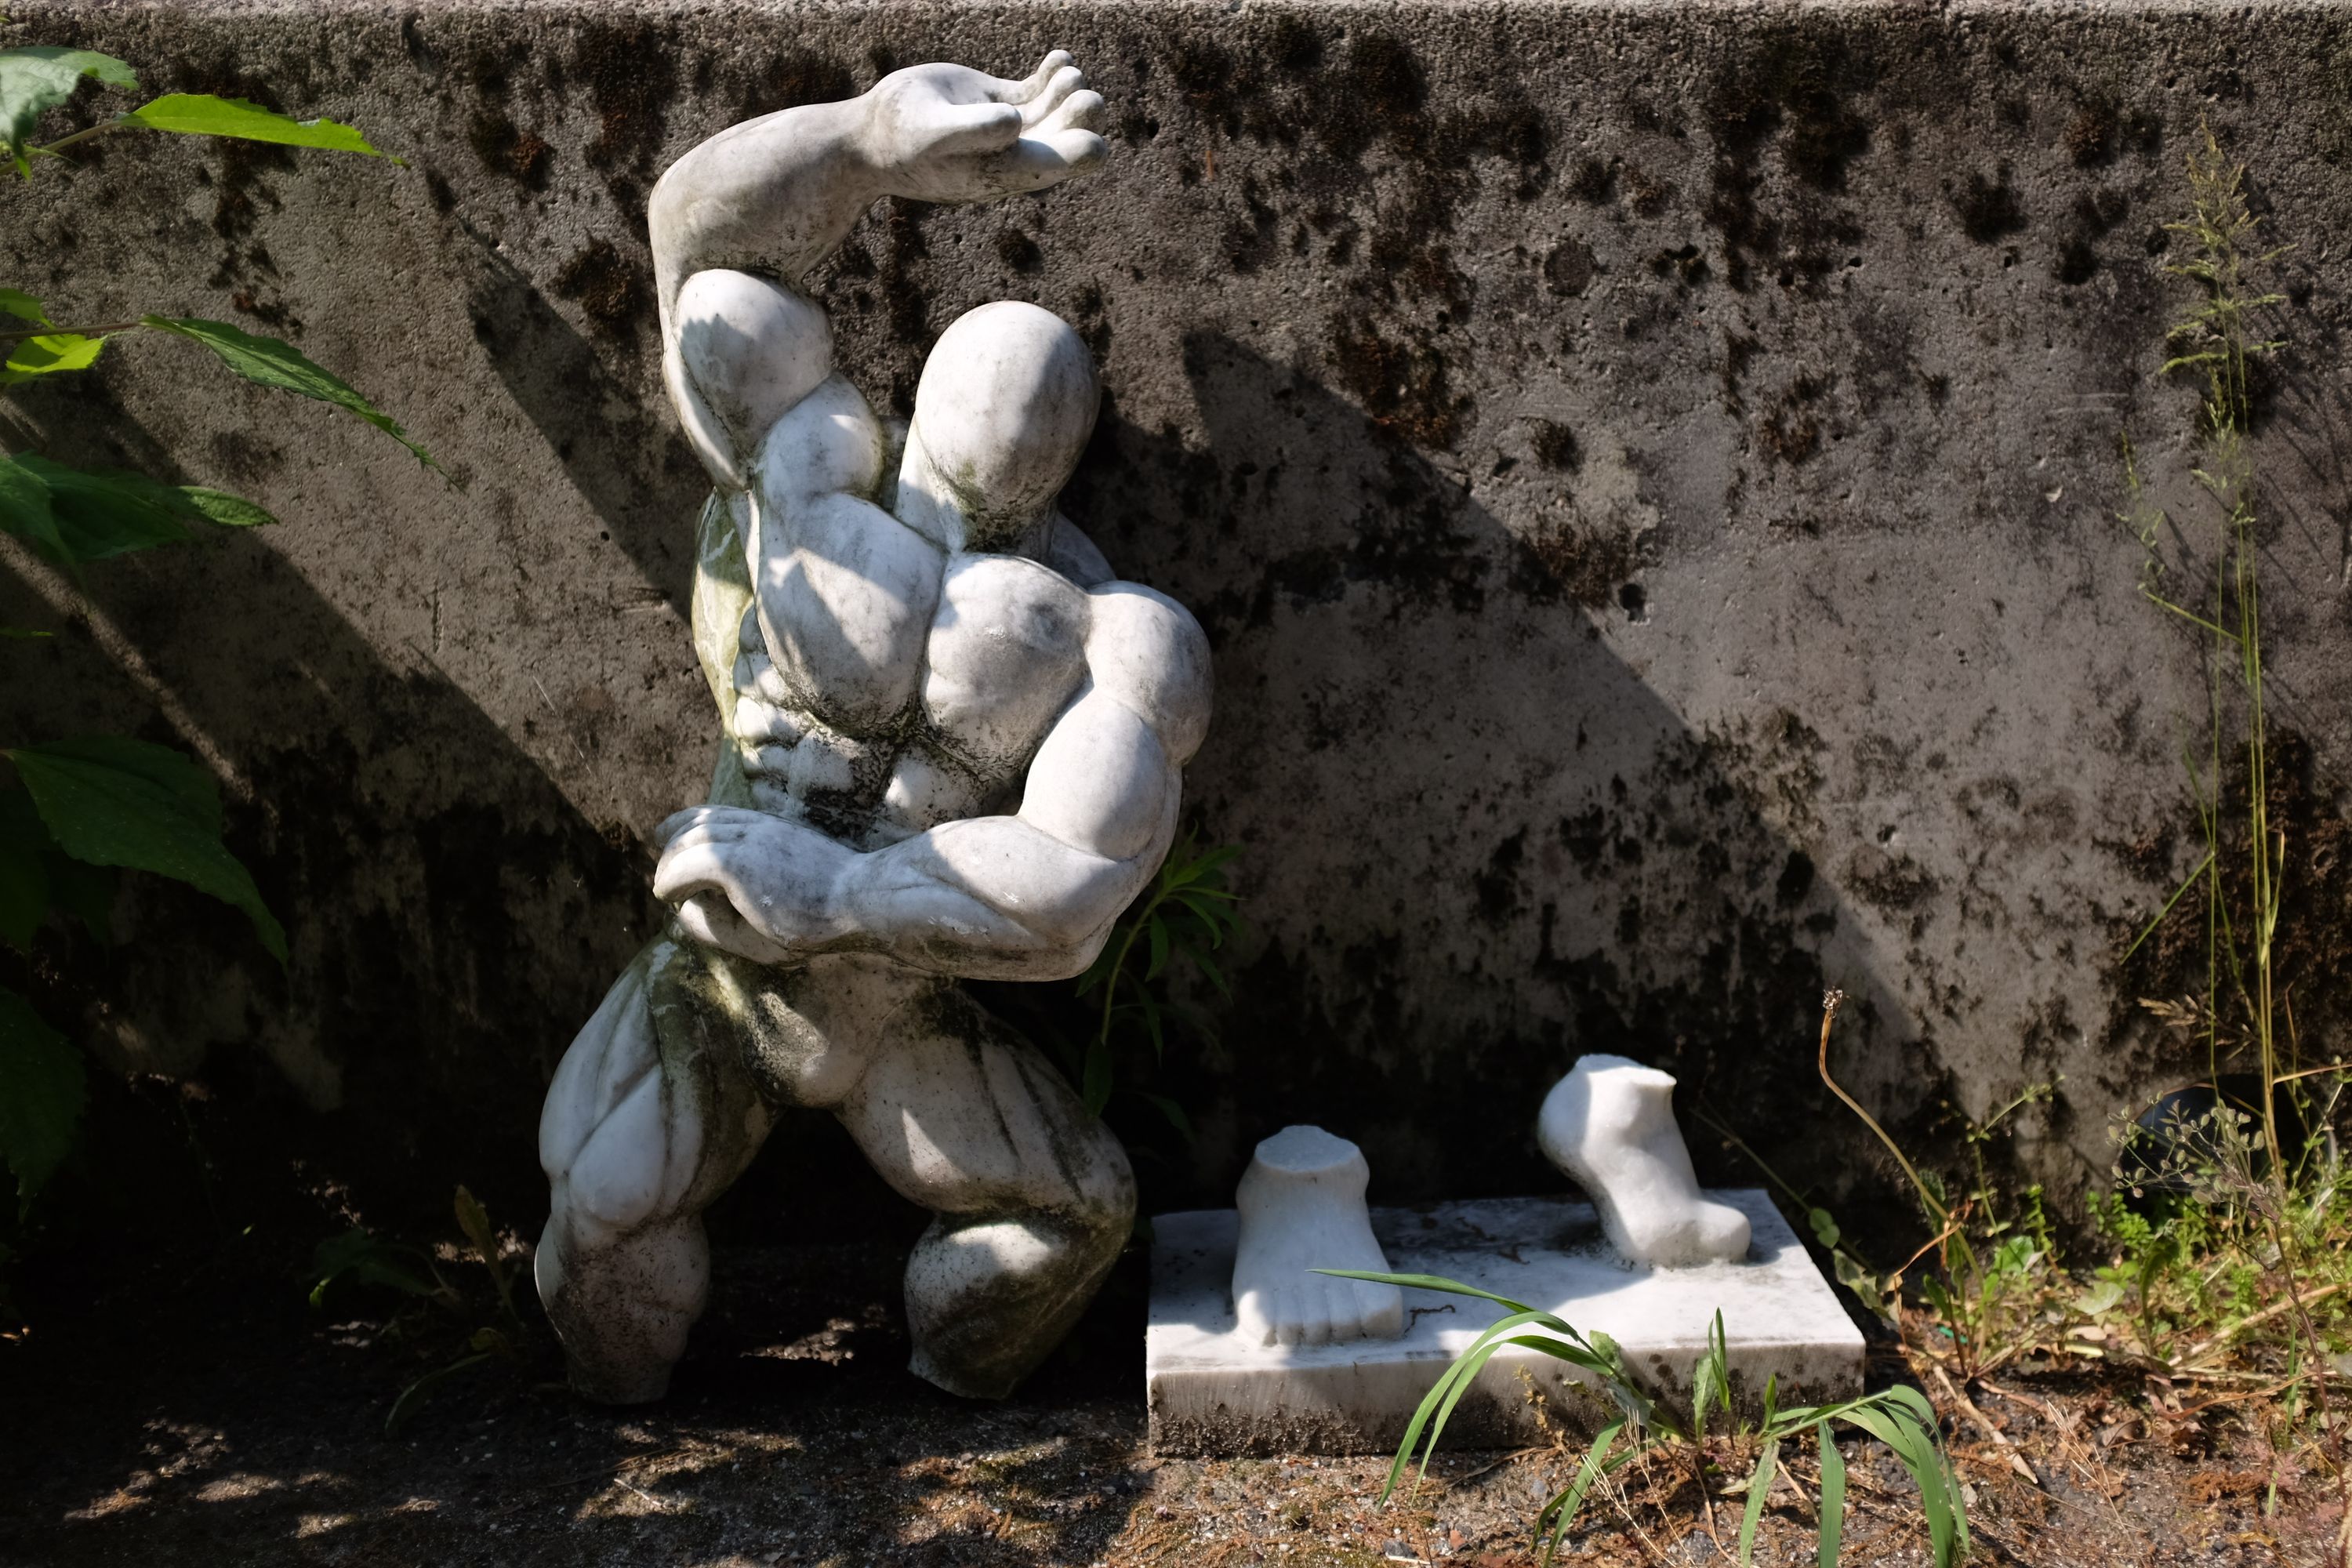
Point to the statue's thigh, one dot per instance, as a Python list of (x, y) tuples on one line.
[(961, 1116), (652, 1112)]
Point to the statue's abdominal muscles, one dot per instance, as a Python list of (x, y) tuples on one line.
[(1003, 656)]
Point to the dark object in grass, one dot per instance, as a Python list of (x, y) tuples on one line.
[(2180, 1145)]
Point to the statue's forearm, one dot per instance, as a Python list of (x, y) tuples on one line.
[(771, 196), (988, 897)]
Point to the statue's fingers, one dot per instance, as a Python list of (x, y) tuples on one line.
[(700, 919), (1029, 86), (960, 128), (702, 835), (1058, 89), (735, 819), (1037, 162), (688, 867), (677, 822), (1079, 111), (712, 921)]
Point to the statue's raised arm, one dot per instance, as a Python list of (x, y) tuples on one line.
[(738, 221)]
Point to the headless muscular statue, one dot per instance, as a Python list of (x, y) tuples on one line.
[(954, 744)]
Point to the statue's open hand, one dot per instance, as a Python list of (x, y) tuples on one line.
[(948, 134), (750, 883)]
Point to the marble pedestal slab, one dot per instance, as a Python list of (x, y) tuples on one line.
[(1213, 1393)]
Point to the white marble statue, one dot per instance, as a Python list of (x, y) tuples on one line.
[(1609, 1124), (1301, 1207), (952, 744)]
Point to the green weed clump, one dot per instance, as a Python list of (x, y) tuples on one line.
[(2227, 1240), (1900, 1417), (446, 1325)]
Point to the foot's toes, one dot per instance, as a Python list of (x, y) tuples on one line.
[(1257, 1321), (1314, 1311), (1284, 1308), (1336, 1301), (1380, 1308)]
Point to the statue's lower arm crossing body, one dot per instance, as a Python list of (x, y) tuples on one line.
[(953, 745)]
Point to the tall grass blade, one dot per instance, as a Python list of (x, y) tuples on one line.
[(1759, 1483), (1833, 1495), (1560, 1512)]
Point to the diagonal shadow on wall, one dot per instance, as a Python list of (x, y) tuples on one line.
[(1405, 664)]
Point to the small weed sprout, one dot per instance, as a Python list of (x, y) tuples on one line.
[(1187, 913), (360, 1256)]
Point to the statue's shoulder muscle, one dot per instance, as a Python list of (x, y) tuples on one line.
[(1146, 650)]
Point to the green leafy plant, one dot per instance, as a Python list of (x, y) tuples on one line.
[(438, 1307), (1186, 914), (74, 812), (1900, 1417)]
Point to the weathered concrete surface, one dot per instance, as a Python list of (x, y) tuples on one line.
[(1647, 471)]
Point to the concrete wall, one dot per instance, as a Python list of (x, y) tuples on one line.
[(1648, 472)]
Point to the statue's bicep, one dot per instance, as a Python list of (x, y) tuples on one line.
[(1102, 783)]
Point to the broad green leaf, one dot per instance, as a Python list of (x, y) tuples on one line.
[(27, 510), (84, 891), (1175, 1114), (102, 515), (41, 1092), (1833, 1497), (2099, 1297), (106, 512), (228, 510), (1096, 1088), (202, 114), (1151, 1025), (269, 362), (23, 306), (115, 802), (34, 81), (30, 357), (24, 880), (189, 781), (357, 1255)]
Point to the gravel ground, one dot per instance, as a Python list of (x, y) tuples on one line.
[(213, 1422)]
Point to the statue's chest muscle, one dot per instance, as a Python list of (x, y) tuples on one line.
[(844, 604), (1006, 653)]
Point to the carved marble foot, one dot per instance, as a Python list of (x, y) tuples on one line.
[(1302, 1208), (1609, 1124)]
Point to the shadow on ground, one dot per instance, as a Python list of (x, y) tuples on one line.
[(244, 1428)]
